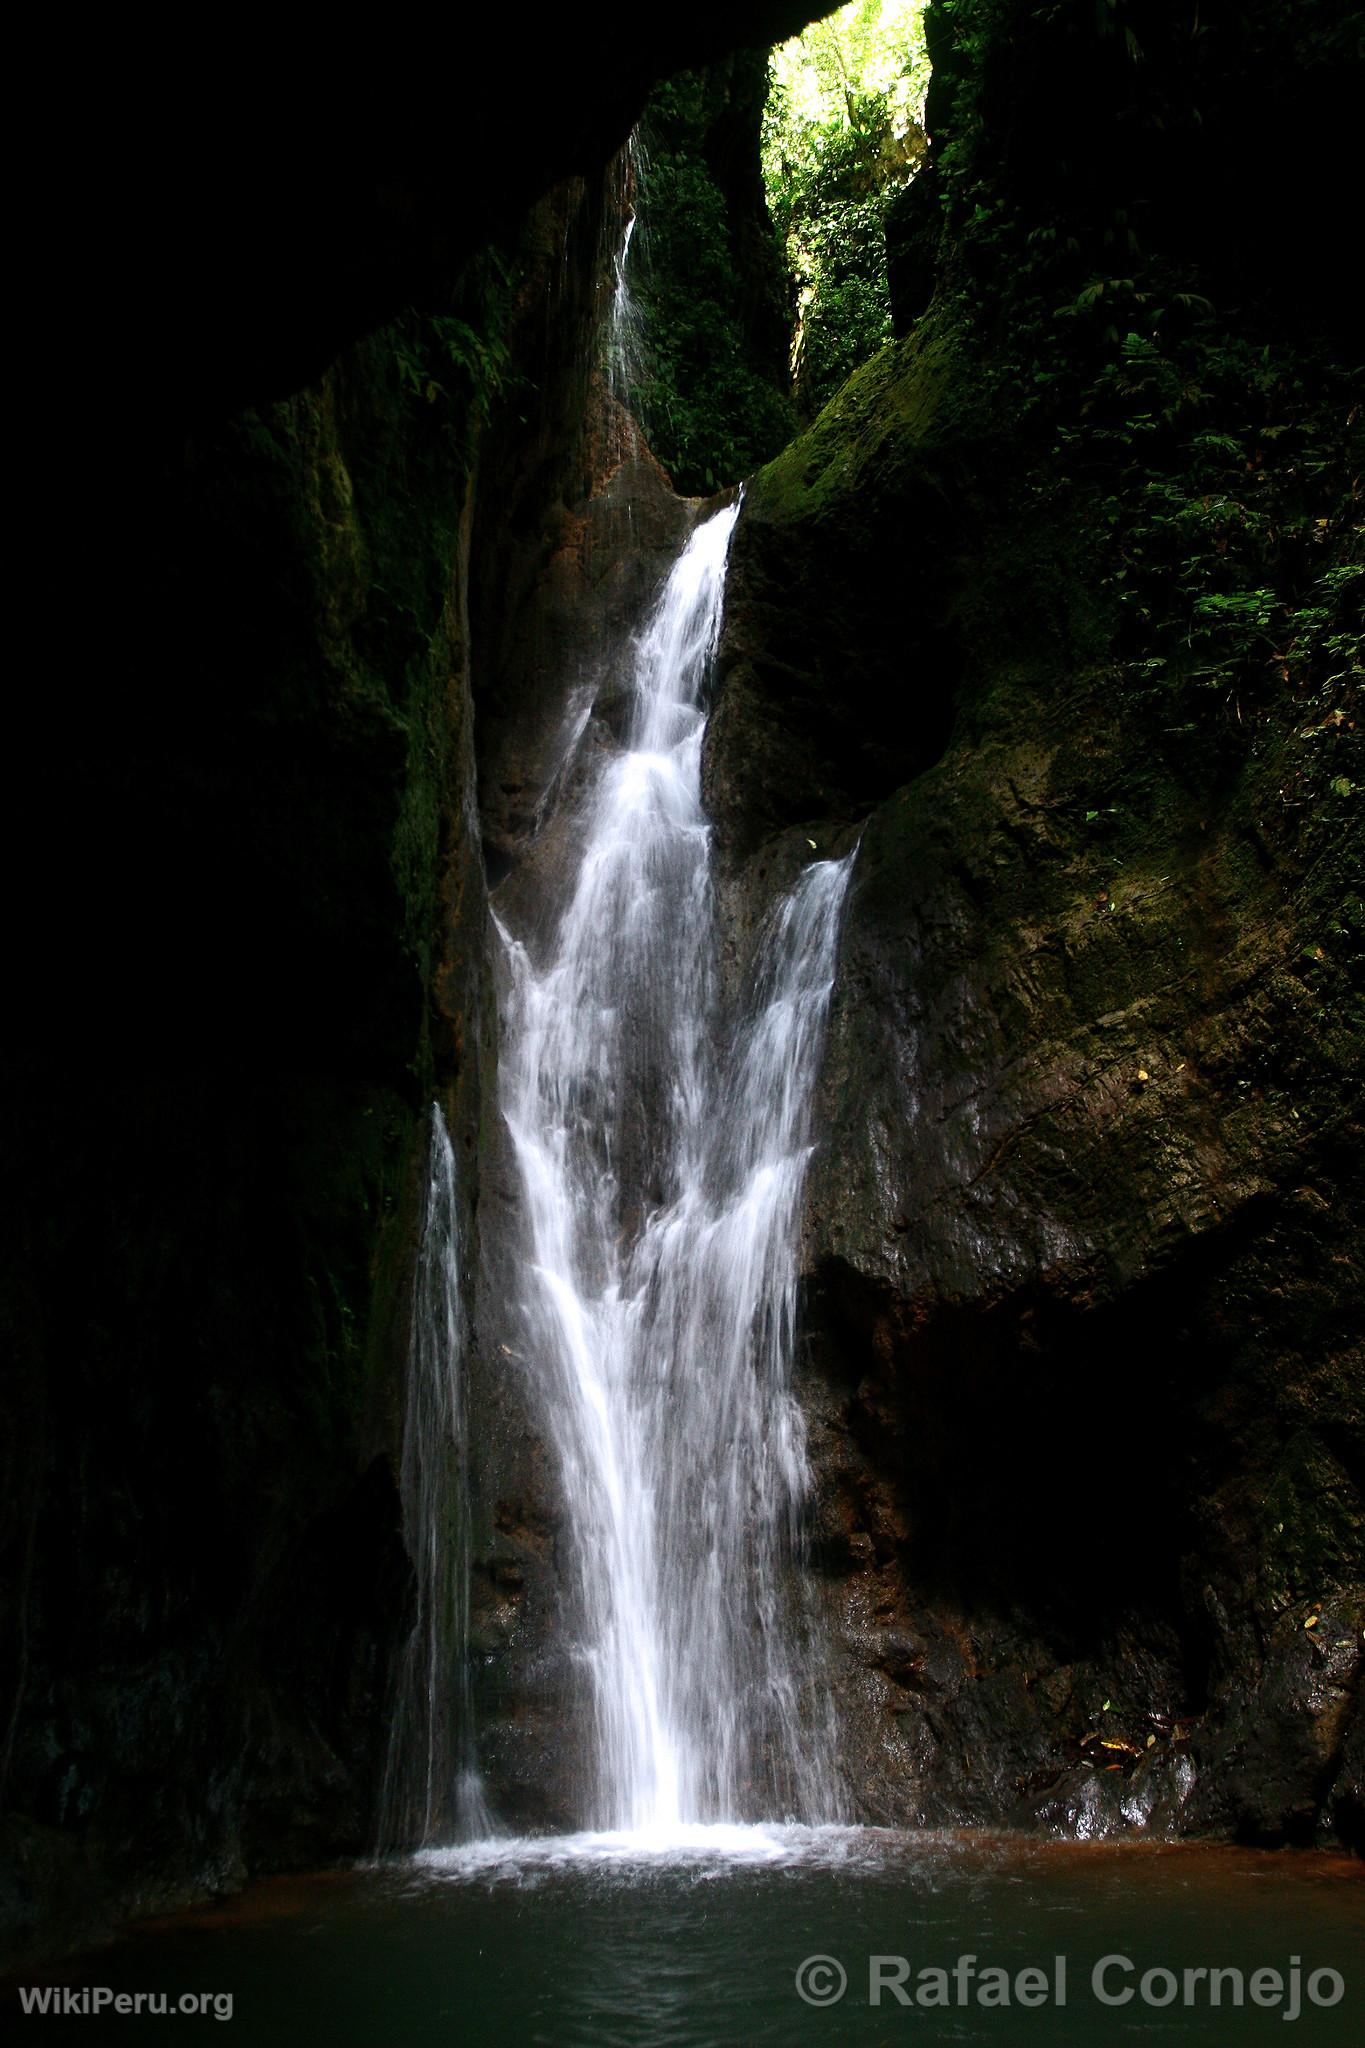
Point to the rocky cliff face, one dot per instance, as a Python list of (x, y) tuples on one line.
[(252, 942), (210, 1264), (1082, 1255), (1081, 1271)]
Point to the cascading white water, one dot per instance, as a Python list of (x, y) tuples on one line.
[(662, 1155), (431, 1787), (624, 355)]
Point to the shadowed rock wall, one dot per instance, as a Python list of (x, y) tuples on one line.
[(1083, 1293), (250, 939)]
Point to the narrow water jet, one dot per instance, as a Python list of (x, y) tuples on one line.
[(432, 1790), (624, 341), (662, 1147)]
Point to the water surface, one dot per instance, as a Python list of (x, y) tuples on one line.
[(697, 1941)]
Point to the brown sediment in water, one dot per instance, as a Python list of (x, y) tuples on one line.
[(1211, 1866)]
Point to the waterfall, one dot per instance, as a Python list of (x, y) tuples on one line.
[(624, 330), (662, 1149), (431, 1785)]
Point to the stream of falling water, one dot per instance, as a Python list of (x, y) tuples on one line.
[(431, 1789), (662, 1151), (624, 360)]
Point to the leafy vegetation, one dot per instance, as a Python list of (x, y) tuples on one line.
[(842, 134), (1227, 516), (710, 385), (1211, 448), (754, 317), (458, 358)]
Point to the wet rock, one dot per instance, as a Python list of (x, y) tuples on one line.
[(1277, 1766), (1345, 1806), (1082, 1311), (1084, 1806)]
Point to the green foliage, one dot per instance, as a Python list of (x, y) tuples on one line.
[(441, 354), (458, 358), (1217, 470), (1228, 510), (709, 395), (841, 136)]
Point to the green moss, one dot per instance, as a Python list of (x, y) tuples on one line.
[(886, 417)]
